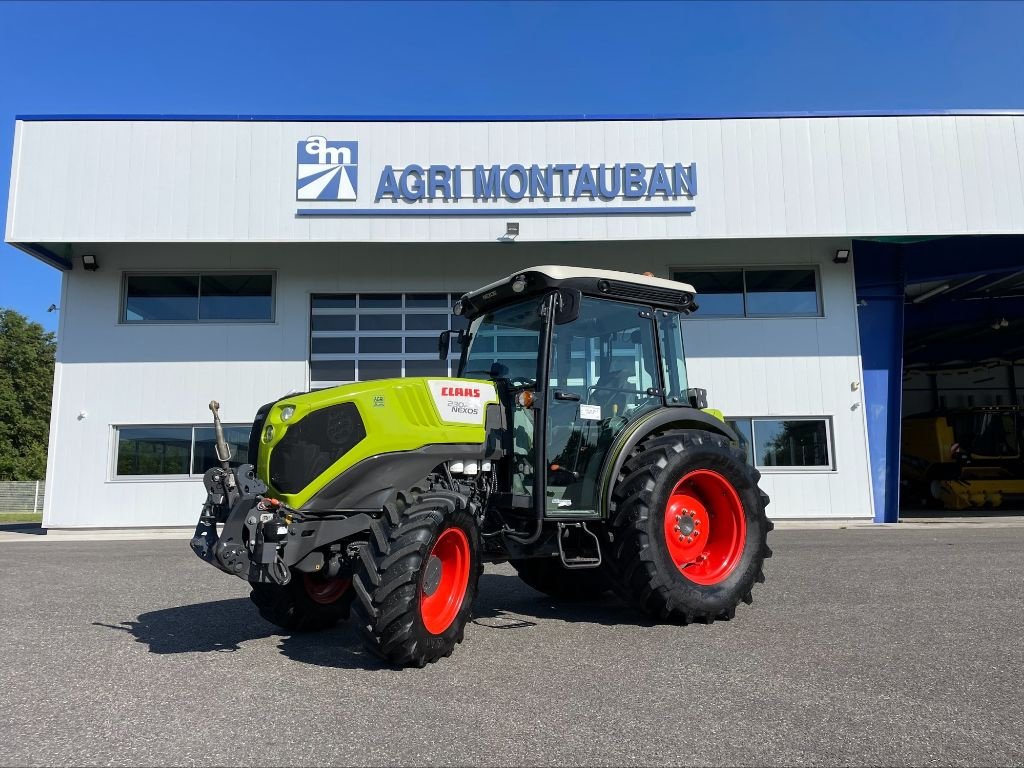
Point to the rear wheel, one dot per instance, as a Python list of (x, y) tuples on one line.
[(417, 577), (689, 527), (309, 602), (549, 576)]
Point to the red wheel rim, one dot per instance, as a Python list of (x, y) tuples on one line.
[(705, 527), (324, 591), (445, 580)]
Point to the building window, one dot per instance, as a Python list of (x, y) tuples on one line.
[(363, 336), (174, 451), (776, 292), (786, 443), (198, 298)]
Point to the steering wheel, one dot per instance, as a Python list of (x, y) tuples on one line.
[(514, 381)]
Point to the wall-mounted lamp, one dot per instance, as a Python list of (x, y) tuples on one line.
[(511, 232), (842, 256), (89, 262)]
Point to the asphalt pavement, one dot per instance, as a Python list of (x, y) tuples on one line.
[(865, 647)]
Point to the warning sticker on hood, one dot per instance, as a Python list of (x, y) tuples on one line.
[(461, 402)]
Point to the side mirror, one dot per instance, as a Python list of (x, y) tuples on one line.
[(444, 345), (444, 342), (567, 306)]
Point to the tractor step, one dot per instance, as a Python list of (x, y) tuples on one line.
[(585, 551)]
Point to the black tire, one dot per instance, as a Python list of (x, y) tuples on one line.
[(391, 576), (642, 567), (295, 607), (548, 575)]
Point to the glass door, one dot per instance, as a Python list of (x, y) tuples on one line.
[(603, 375)]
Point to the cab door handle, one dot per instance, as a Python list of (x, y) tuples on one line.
[(560, 395)]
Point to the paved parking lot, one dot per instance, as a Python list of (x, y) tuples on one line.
[(893, 647)]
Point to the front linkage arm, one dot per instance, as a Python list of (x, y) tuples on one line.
[(234, 500)]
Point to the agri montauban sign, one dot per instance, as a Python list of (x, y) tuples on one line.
[(328, 172)]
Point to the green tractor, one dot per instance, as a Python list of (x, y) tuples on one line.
[(570, 445)]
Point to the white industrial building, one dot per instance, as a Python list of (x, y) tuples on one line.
[(239, 259)]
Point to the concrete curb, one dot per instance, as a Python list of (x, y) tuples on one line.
[(858, 524), (98, 534)]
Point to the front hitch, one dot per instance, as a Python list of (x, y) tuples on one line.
[(251, 527)]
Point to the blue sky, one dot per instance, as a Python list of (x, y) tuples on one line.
[(490, 58)]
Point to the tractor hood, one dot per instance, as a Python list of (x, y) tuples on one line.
[(304, 442)]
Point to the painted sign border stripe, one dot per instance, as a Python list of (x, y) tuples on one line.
[(684, 210)]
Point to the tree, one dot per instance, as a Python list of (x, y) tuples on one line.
[(26, 387)]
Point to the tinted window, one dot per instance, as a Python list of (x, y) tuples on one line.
[(380, 323), (195, 298), (333, 346), (153, 450), (781, 292), (236, 297), (380, 301), (401, 326), (802, 443), (674, 361), (426, 368), (204, 455), (718, 293), (427, 300), (379, 369), (381, 344), (426, 322), (334, 322), (744, 429), (334, 300), (754, 292), (161, 298), (423, 345), (515, 330), (332, 370)]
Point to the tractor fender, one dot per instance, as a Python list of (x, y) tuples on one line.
[(678, 417), (374, 481)]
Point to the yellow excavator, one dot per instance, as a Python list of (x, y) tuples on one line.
[(964, 458)]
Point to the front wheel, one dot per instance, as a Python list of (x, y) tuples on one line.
[(307, 603), (689, 527), (417, 577)]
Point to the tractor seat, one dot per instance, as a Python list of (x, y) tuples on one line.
[(607, 392)]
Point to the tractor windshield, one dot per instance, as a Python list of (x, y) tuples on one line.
[(503, 344)]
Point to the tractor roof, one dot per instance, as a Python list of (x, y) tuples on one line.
[(605, 283)]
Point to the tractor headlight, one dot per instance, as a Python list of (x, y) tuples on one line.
[(287, 412), (268, 434)]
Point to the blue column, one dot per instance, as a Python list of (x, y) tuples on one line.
[(880, 279)]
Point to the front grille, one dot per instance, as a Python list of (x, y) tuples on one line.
[(313, 444)]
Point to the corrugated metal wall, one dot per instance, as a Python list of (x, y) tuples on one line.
[(92, 181)]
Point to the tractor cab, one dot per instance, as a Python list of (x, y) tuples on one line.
[(579, 355)]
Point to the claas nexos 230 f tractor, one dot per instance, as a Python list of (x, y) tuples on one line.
[(570, 445)]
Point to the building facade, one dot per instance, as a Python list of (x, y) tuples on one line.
[(242, 259)]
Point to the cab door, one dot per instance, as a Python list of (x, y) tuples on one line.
[(603, 374)]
